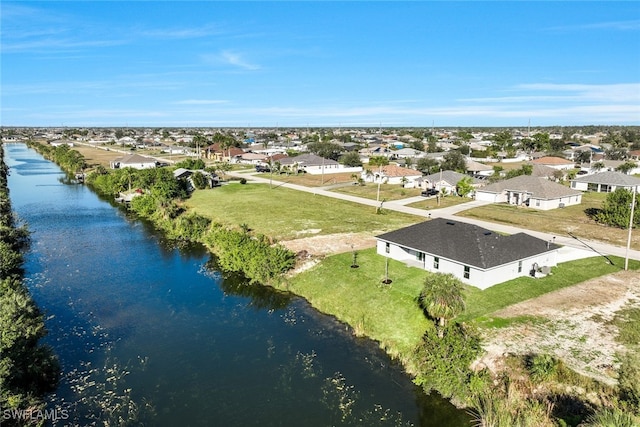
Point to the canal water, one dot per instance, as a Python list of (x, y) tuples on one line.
[(150, 334)]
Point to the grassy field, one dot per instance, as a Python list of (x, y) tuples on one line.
[(309, 180), (571, 219), (390, 313), (387, 191), (285, 214)]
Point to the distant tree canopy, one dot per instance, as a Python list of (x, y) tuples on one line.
[(378, 161), (351, 159), (328, 150), (524, 170), (455, 161), (427, 165), (191, 164)]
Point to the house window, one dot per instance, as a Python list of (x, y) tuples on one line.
[(436, 263), (387, 247), (419, 256), (467, 272), (537, 202), (519, 266), (592, 186)]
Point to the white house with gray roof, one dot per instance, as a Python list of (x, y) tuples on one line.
[(606, 182), (447, 181), (477, 256), (534, 192)]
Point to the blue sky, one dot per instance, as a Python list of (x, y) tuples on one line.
[(287, 64)]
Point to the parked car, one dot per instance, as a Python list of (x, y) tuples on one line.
[(429, 192), (262, 168)]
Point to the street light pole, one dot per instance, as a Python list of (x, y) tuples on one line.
[(633, 205)]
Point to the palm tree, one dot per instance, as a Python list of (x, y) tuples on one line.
[(597, 166), (442, 298)]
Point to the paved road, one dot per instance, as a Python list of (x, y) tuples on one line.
[(593, 247)]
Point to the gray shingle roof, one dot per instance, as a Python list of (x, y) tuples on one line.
[(618, 179), (451, 177), (537, 187), (467, 243)]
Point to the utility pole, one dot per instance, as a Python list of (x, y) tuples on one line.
[(633, 205)]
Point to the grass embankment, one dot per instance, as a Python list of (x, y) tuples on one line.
[(569, 220), (357, 296), (285, 214), (390, 313)]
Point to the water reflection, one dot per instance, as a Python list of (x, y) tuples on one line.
[(260, 297)]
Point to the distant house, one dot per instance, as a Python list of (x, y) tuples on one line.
[(405, 153), (475, 255), (135, 161), (392, 174), (217, 153), (554, 162), (477, 168), (186, 174), (447, 181), (534, 192), (253, 158), (315, 165), (605, 182), (59, 142)]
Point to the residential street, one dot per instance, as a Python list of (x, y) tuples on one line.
[(595, 248)]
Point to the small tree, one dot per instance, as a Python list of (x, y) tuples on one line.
[(616, 209), (626, 167), (442, 298), (465, 186)]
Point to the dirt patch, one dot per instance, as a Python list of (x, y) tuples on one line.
[(572, 324), (330, 244)]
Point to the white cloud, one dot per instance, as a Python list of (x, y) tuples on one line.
[(183, 33), (230, 58), (627, 25), (201, 102)]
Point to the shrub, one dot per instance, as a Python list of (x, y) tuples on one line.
[(541, 367), (444, 363), (253, 256), (629, 380), (611, 417)]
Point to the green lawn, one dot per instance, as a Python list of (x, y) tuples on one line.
[(390, 313), (357, 296), (281, 213)]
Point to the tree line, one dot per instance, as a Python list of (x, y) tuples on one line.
[(28, 368)]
